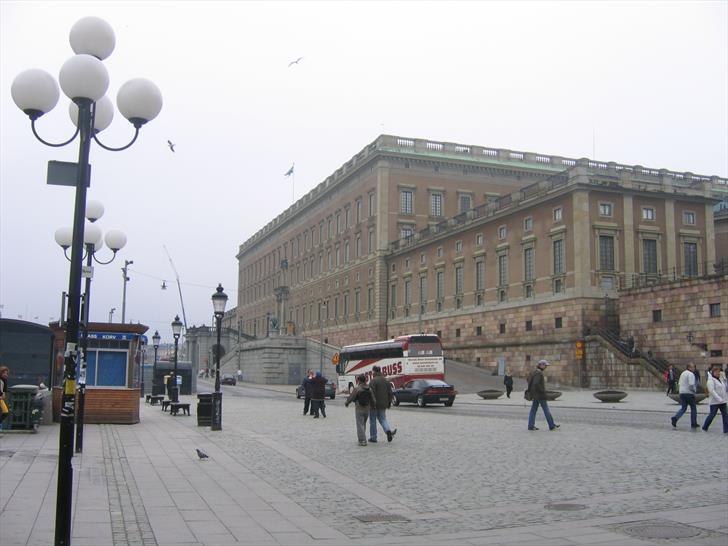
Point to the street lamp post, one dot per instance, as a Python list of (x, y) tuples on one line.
[(176, 332), (155, 341), (219, 299), (92, 238), (324, 307), (85, 80), (127, 263)]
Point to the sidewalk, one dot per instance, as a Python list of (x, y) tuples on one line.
[(144, 485)]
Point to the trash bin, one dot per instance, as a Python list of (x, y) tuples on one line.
[(21, 406), (204, 409)]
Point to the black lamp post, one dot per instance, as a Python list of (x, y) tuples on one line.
[(176, 331), (155, 341), (84, 80), (219, 299), (92, 238)]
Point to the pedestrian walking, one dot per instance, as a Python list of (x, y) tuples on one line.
[(508, 382), (307, 387), (240, 375), (318, 393), (382, 390), (671, 379), (536, 392), (717, 397), (362, 397), (4, 411), (687, 387)]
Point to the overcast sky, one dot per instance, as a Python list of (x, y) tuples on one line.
[(635, 83)]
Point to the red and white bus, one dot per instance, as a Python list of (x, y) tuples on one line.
[(401, 359)]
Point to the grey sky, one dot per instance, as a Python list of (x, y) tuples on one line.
[(636, 83)]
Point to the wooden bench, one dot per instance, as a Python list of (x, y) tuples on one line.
[(154, 399), (165, 404), (174, 408)]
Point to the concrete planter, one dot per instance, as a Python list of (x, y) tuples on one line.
[(610, 396), (490, 394), (699, 397)]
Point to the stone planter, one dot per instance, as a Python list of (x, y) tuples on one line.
[(552, 395), (610, 396), (490, 394), (699, 397)]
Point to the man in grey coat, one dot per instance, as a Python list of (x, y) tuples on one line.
[(378, 412), (537, 390)]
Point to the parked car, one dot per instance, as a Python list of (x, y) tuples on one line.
[(425, 391), (228, 379), (330, 391)]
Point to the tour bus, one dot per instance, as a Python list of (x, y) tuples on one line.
[(401, 359)]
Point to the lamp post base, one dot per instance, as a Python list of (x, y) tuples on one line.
[(216, 411)]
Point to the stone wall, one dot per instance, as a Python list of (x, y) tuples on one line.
[(684, 307), (275, 360), (605, 368)]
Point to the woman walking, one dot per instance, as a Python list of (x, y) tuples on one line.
[(718, 399)]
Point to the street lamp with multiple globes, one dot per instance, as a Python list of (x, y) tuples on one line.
[(155, 342), (85, 80), (176, 332), (92, 238), (219, 299)]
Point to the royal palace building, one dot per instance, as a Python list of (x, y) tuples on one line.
[(508, 256)]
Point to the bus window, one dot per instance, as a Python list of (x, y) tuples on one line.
[(425, 349)]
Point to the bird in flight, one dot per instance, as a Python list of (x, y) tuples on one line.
[(201, 454), (294, 62), (171, 145)]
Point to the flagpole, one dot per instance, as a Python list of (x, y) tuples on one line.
[(293, 187)]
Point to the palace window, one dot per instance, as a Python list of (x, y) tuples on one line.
[(436, 204), (649, 256), (648, 213), (606, 253), (405, 202)]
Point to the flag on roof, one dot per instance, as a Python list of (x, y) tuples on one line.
[(290, 171)]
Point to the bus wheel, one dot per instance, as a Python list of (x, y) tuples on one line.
[(421, 401)]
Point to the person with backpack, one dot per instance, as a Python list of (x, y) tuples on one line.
[(363, 398)]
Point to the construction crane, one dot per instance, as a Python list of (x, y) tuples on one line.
[(179, 287)]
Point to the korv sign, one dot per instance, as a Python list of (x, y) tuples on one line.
[(108, 336)]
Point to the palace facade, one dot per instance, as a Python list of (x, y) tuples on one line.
[(509, 256)]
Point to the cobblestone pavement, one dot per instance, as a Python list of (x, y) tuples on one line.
[(468, 474)]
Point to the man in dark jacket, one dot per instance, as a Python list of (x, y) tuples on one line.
[(318, 393), (307, 388), (378, 412), (537, 390)]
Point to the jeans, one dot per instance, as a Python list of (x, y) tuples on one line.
[(374, 416), (685, 400), (714, 408), (306, 404), (671, 387), (361, 414), (532, 414)]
